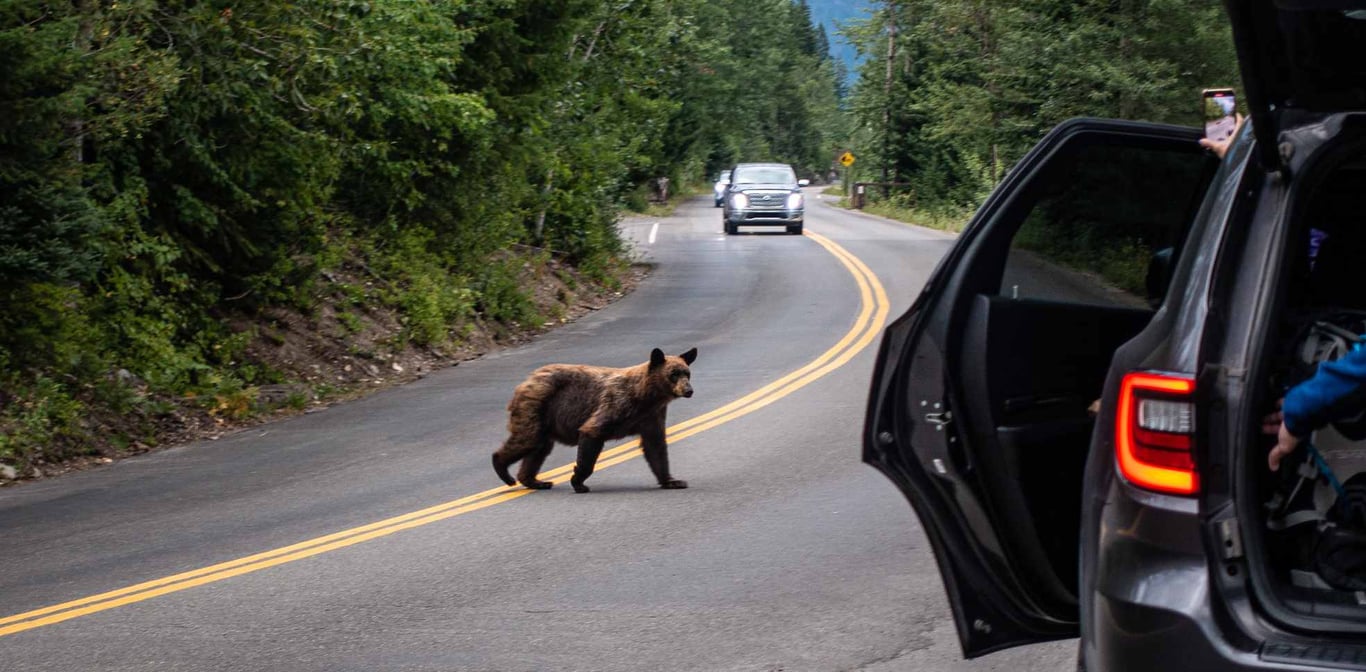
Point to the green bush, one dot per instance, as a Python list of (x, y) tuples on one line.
[(501, 295), (41, 423), (432, 299)]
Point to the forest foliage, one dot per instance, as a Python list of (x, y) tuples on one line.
[(172, 167), (971, 85)]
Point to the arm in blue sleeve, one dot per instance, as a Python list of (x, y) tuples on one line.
[(1336, 391)]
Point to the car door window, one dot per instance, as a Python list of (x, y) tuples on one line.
[(1104, 230)]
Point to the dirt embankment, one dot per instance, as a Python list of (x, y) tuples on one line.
[(341, 350)]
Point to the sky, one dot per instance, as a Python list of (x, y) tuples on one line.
[(827, 13)]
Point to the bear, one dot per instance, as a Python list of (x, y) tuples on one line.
[(586, 406)]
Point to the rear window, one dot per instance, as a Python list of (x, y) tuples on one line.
[(765, 175)]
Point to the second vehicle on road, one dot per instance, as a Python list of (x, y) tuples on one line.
[(763, 194)]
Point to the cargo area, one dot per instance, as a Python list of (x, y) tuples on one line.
[(1311, 513)]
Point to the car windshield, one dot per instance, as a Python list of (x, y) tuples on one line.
[(765, 175), (725, 176)]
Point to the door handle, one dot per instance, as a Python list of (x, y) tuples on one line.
[(939, 420)]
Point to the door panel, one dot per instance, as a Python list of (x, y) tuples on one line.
[(978, 404), (1026, 412)]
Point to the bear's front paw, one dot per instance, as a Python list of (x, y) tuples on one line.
[(673, 484), (538, 485), (579, 487)]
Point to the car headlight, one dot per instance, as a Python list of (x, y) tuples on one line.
[(739, 201), (718, 187), (794, 200)]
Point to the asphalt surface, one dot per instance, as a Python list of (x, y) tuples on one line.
[(786, 553)]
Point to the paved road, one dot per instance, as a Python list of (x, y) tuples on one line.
[(374, 536)]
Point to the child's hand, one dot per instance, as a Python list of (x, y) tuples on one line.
[(1286, 443)]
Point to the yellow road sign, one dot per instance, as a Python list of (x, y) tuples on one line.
[(847, 159)]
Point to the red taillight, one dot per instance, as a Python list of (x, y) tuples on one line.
[(1154, 430)]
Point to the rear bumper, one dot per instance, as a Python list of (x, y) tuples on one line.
[(1135, 636), (1155, 607), (1131, 635), (1151, 607)]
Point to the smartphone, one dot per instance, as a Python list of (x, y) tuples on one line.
[(1220, 112)]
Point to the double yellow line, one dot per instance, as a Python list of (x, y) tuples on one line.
[(872, 315)]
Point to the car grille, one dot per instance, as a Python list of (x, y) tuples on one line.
[(767, 200)]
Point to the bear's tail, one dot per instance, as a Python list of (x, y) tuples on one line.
[(529, 401)]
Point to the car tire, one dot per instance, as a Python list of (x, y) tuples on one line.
[(731, 229), (795, 230)]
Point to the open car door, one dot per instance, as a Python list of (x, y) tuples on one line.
[(979, 404)]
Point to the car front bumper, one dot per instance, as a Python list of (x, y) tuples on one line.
[(775, 217)]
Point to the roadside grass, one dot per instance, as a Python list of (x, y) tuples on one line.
[(948, 218)]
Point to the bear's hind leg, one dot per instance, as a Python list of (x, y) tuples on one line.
[(500, 467), (531, 465), (520, 445)]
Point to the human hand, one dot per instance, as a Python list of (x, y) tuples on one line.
[(1286, 443), (1220, 147)]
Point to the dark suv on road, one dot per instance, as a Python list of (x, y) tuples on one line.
[(1073, 403), (763, 194)]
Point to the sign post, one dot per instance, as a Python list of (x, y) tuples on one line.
[(846, 160)]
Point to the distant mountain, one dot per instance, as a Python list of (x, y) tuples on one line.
[(828, 13)]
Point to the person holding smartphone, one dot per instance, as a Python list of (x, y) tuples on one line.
[(1219, 107), (1220, 146)]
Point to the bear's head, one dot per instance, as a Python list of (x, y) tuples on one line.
[(673, 372)]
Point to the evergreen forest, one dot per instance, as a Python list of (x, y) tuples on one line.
[(951, 93)]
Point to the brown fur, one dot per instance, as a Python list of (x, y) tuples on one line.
[(587, 406)]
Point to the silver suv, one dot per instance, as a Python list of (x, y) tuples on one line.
[(763, 194)]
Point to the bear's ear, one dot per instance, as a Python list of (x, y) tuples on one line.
[(656, 358), (689, 357)]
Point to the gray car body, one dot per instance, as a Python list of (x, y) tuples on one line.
[(1164, 582), (771, 211), (1188, 571)]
